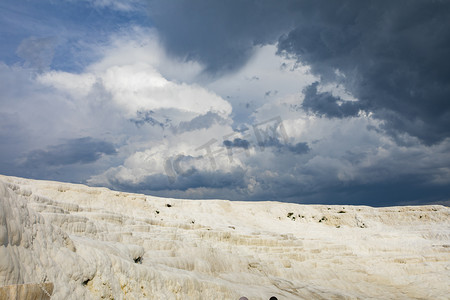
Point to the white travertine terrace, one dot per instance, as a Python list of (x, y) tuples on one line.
[(94, 243)]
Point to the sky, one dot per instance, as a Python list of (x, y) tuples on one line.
[(303, 101)]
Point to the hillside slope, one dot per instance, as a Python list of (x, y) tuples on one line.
[(97, 243)]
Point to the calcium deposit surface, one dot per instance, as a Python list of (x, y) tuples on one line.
[(94, 243)]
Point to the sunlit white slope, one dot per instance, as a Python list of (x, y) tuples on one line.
[(96, 243)]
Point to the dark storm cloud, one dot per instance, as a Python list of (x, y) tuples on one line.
[(325, 104), (220, 34), (76, 151), (406, 190), (393, 54)]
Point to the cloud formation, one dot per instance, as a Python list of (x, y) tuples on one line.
[(223, 33), (302, 101), (37, 52), (391, 56), (200, 122), (75, 151), (325, 104)]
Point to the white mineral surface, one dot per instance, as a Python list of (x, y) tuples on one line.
[(94, 243)]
